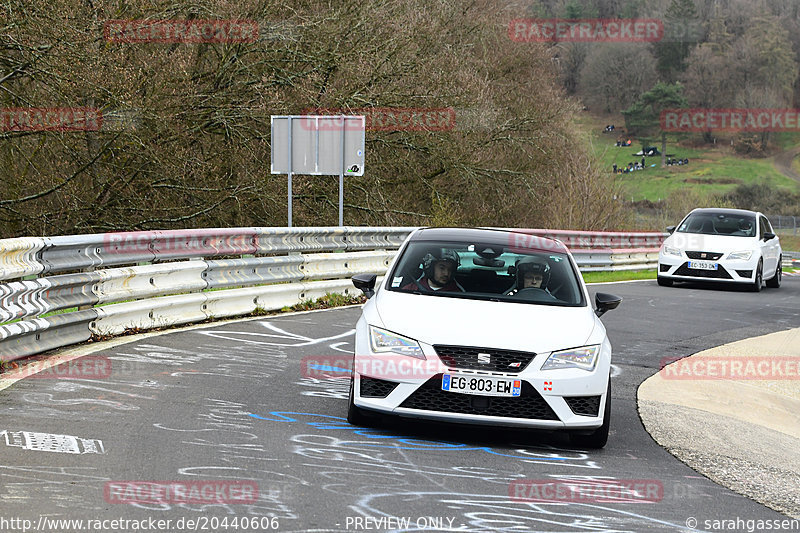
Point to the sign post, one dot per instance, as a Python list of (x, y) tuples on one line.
[(318, 145)]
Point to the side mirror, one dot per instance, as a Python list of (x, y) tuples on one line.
[(365, 283), (670, 229), (768, 236), (605, 302)]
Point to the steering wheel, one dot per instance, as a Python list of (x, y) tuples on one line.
[(535, 293)]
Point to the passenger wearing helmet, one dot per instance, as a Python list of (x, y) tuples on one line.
[(530, 273), (438, 273)]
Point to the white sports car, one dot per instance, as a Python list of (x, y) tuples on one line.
[(727, 245), (487, 327)]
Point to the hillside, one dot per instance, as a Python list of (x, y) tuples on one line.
[(184, 139), (715, 174)]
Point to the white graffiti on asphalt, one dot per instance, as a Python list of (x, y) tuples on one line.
[(376, 438), (497, 514), (288, 339), (325, 388), (49, 442)]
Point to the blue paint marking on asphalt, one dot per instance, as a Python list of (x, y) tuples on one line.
[(329, 368), (411, 444)]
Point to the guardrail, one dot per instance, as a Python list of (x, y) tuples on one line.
[(609, 250), (105, 284), (791, 259)]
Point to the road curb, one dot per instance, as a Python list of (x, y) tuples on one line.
[(741, 433)]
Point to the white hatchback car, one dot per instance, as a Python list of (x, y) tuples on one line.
[(727, 245), (486, 327)]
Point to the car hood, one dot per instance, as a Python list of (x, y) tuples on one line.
[(710, 243), (462, 322)]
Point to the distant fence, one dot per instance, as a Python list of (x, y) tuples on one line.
[(784, 222), (58, 291)]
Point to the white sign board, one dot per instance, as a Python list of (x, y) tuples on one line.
[(318, 144)]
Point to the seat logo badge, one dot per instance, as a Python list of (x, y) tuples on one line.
[(515, 365), (484, 358)]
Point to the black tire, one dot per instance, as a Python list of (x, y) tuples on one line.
[(355, 415), (758, 282), (775, 281), (599, 437), (663, 282)]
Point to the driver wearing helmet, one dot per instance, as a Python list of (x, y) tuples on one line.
[(530, 273), (438, 273)]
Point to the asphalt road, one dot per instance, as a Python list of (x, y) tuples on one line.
[(229, 403)]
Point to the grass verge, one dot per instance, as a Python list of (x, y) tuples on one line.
[(618, 275), (326, 302), (789, 243)]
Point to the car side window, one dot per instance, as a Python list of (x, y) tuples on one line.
[(768, 225), (762, 226)]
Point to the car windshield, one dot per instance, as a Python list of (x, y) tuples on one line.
[(716, 223), (487, 272)]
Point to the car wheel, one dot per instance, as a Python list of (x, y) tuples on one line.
[(775, 281), (599, 437), (756, 286), (355, 415), (663, 282)]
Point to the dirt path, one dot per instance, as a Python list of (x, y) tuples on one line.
[(783, 163)]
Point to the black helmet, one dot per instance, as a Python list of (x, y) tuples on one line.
[(445, 255), (532, 264)]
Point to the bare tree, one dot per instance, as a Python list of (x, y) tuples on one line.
[(185, 142), (614, 75)]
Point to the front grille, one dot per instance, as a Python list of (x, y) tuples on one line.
[(712, 256), (684, 270), (663, 268), (431, 397), (745, 273), (584, 405), (376, 388), (499, 360)]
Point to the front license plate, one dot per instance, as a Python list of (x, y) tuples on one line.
[(482, 386), (702, 265)]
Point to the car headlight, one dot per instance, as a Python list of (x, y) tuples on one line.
[(583, 358), (383, 341), (669, 250), (744, 255)]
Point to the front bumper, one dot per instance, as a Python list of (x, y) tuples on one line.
[(731, 271), (552, 399)]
